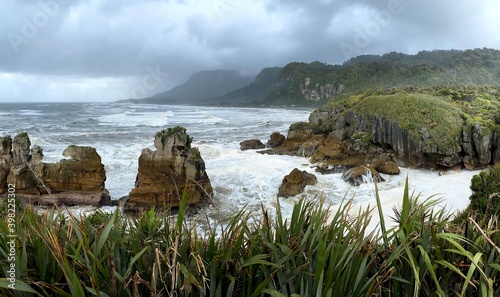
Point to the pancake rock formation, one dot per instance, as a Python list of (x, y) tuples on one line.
[(165, 173), (77, 180)]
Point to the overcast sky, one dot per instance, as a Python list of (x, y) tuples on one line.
[(105, 50)]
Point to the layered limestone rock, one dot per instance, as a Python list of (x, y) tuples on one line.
[(353, 138), (163, 174), (295, 183), (478, 147), (77, 180), (81, 171)]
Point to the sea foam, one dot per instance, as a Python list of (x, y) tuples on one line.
[(241, 179)]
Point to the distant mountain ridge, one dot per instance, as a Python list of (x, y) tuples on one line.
[(200, 88), (317, 83), (303, 83), (253, 93)]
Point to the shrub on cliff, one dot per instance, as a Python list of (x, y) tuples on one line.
[(172, 131), (485, 186)]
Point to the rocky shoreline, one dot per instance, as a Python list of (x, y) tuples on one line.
[(339, 138), (359, 144), (79, 179)]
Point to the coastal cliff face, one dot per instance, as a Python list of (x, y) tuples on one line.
[(315, 83), (410, 129), (77, 180), (301, 83), (163, 174)]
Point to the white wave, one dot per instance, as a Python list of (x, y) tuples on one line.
[(241, 179), (30, 112), (132, 119)]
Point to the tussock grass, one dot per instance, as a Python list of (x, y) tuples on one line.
[(313, 253)]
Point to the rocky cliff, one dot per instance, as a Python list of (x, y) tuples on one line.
[(165, 173), (304, 84), (316, 82), (254, 93), (413, 129), (77, 180)]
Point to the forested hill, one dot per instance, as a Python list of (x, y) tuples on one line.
[(200, 88), (316, 83)]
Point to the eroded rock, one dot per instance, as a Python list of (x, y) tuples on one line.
[(361, 174), (251, 144), (385, 167), (275, 139), (295, 183), (165, 173), (79, 180)]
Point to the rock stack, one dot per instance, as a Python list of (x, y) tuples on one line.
[(164, 174), (78, 180), (295, 183)]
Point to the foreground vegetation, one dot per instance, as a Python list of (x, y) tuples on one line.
[(317, 252)]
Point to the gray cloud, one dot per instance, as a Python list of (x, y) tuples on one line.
[(90, 50)]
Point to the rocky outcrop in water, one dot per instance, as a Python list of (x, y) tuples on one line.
[(360, 174), (165, 173), (77, 180), (295, 183), (251, 144), (276, 139), (369, 173), (385, 167)]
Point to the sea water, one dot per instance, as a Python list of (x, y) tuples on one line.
[(241, 179)]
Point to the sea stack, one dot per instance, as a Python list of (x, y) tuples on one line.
[(77, 180), (164, 174)]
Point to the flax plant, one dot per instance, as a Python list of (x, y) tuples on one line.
[(314, 252)]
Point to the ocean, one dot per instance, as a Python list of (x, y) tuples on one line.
[(241, 179)]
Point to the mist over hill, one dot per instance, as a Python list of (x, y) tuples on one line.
[(317, 83), (200, 88)]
